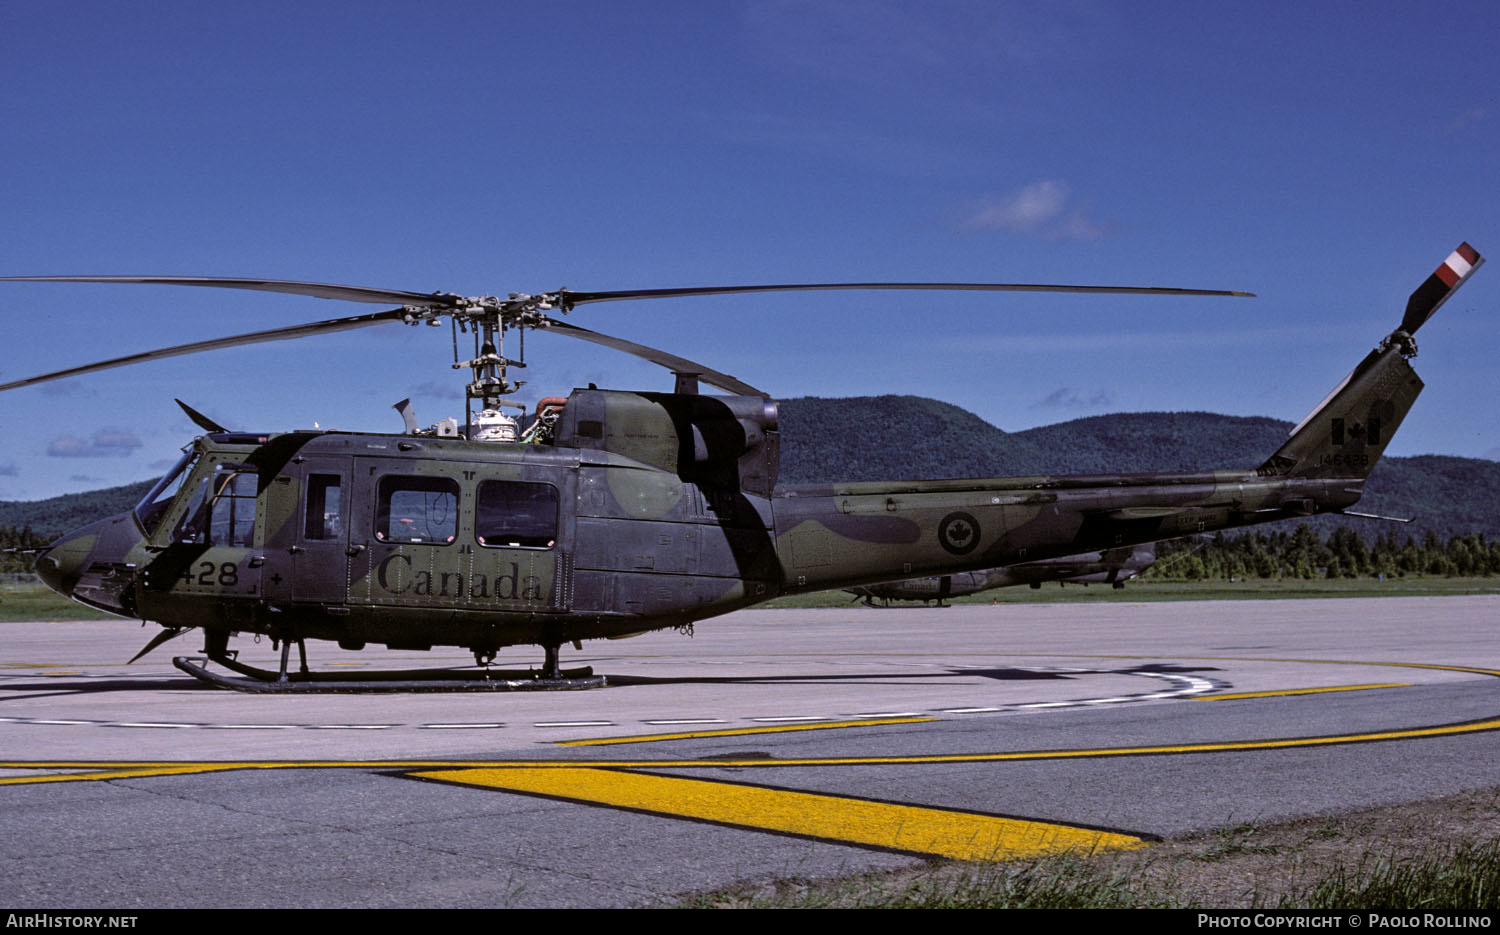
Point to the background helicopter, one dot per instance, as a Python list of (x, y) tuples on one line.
[(618, 512), (1109, 566)]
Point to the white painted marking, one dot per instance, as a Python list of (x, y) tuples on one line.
[(56, 721), (574, 724), (968, 710), (146, 724), (460, 726), (251, 726), (350, 726)]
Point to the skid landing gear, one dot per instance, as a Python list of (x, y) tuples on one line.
[(551, 677)]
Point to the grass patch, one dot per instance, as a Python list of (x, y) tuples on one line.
[(1464, 879), (1436, 856), (1059, 883), (36, 602)]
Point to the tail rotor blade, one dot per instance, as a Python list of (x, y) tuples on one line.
[(1444, 281)]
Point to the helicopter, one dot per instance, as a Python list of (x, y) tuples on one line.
[(614, 512), (1108, 566)]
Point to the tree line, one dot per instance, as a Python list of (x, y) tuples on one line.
[(1302, 553), (22, 537)]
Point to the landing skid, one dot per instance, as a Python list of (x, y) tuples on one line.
[(264, 681)]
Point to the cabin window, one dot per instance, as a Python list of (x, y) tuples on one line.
[(222, 511), (417, 509), (515, 513), (325, 519)]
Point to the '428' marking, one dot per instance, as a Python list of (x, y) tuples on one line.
[(207, 574)]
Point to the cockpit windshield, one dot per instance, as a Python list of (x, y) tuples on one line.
[(153, 506)]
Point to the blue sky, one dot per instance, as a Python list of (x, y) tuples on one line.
[(1326, 156)]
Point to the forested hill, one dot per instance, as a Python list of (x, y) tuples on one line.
[(890, 437), (909, 437), (54, 516), (1135, 442)]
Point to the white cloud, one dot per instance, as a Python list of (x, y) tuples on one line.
[(106, 442), (1042, 209)]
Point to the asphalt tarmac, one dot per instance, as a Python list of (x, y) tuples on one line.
[(769, 744)]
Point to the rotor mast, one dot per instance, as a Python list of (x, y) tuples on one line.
[(489, 366), (489, 318)]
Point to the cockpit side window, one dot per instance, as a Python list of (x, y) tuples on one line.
[(222, 511)]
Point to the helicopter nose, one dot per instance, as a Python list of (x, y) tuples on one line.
[(49, 569), (87, 565), (61, 565)]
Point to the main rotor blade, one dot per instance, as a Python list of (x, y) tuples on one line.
[(671, 361), (254, 337), (320, 290), (570, 298)]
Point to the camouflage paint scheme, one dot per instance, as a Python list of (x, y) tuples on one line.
[(667, 512)]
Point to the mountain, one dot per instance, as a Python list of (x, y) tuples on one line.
[(908, 437), (889, 437)]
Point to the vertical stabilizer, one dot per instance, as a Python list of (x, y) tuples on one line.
[(1346, 434)]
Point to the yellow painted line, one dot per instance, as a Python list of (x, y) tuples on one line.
[(907, 828), (164, 769), (1302, 691), (739, 731)]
